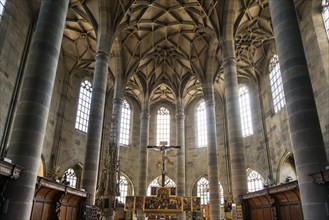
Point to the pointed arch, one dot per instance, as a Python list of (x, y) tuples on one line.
[(156, 182), (201, 189), (126, 188), (286, 168)]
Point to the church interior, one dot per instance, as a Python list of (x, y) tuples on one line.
[(164, 109)]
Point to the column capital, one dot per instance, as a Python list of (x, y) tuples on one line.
[(180, 116), (145, 115), (101, 53), (229, 59)]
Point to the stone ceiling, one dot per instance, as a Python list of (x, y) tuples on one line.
[(162, 45)]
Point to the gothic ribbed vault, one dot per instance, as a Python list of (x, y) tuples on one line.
[(161, 46)]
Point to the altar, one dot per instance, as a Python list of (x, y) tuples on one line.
[(163, 204)]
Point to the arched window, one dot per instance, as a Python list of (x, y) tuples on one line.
[(325, 15), (245, 111), (255, 181), (157, 182), (81, 122), (125, 123), (123, 188), (203, 190), (276, 85), (70, 178), (163, 125), (201, 125), (2, 7)]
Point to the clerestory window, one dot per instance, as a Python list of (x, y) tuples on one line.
[(245, 112), (163, 126), (201, 125), (125, 123), (82, 118), (276, 85)]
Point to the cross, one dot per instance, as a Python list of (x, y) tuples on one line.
[(163, 148)]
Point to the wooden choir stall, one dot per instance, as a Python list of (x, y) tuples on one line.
[(54, 200)]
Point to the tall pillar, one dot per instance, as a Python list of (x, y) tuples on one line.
[(28, 132), (180, 134), (95, 126), (235, 140), (306, 135), (114, 146), (144, 135), (214, 200)]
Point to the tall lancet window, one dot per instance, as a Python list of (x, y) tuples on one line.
[(125, 123), (325, 15), (201, 125), (82, 118), (276, 85), (163, 126), (2, 7), (245, 111)]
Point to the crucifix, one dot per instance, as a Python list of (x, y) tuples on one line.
[(163, 148)]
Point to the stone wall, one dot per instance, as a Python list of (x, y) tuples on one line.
[(15, 35)]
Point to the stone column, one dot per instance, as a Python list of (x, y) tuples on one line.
[(306, 135), (234, 131), (214, 201), (180, 134), (28, 132), (143, 158), (98, 97), (95, 127), (235, 140)]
